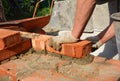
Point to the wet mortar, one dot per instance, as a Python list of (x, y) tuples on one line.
[(36, 60), (78, 69), (5, 78)]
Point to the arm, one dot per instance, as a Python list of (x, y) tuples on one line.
[(84, 10)]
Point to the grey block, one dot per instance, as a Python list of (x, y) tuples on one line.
[(63, 16)]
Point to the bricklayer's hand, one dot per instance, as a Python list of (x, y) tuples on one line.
[(96, 43), (63, 37)]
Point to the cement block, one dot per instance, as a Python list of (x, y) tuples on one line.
[(63, 16)]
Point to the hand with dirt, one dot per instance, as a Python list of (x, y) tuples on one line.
[(96, 43), (63, 37)]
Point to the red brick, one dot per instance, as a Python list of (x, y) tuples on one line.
[(12, 69), (99, 59), (6, 75), (77, 50), (38, 42), (9, 38), (11, 51), (104, 78), (114, 62)]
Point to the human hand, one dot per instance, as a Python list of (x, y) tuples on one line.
[(63, 37), (96, 43)]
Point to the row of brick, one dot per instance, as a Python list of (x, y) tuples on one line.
[(9, 38), (41, 42), (11, 43), (77, 50)]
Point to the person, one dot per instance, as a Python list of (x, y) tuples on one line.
[(104, 36), (84, 10)]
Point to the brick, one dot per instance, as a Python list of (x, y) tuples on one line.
[(80, 49), (77, 50), (12, 69), (38, 42), (114, 62), (24, 45), (99, 59), (9, 38), (6, 76), (103, 79)]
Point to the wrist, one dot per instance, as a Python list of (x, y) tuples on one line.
[(99, 43)]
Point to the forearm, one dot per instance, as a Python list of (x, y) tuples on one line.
[(107, 34), (84, 10)]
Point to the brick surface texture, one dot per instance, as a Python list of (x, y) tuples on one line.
[(9, 38), (77, 50), (37, 66), (14, 50)]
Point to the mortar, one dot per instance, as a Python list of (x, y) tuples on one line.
[(116, 18)]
